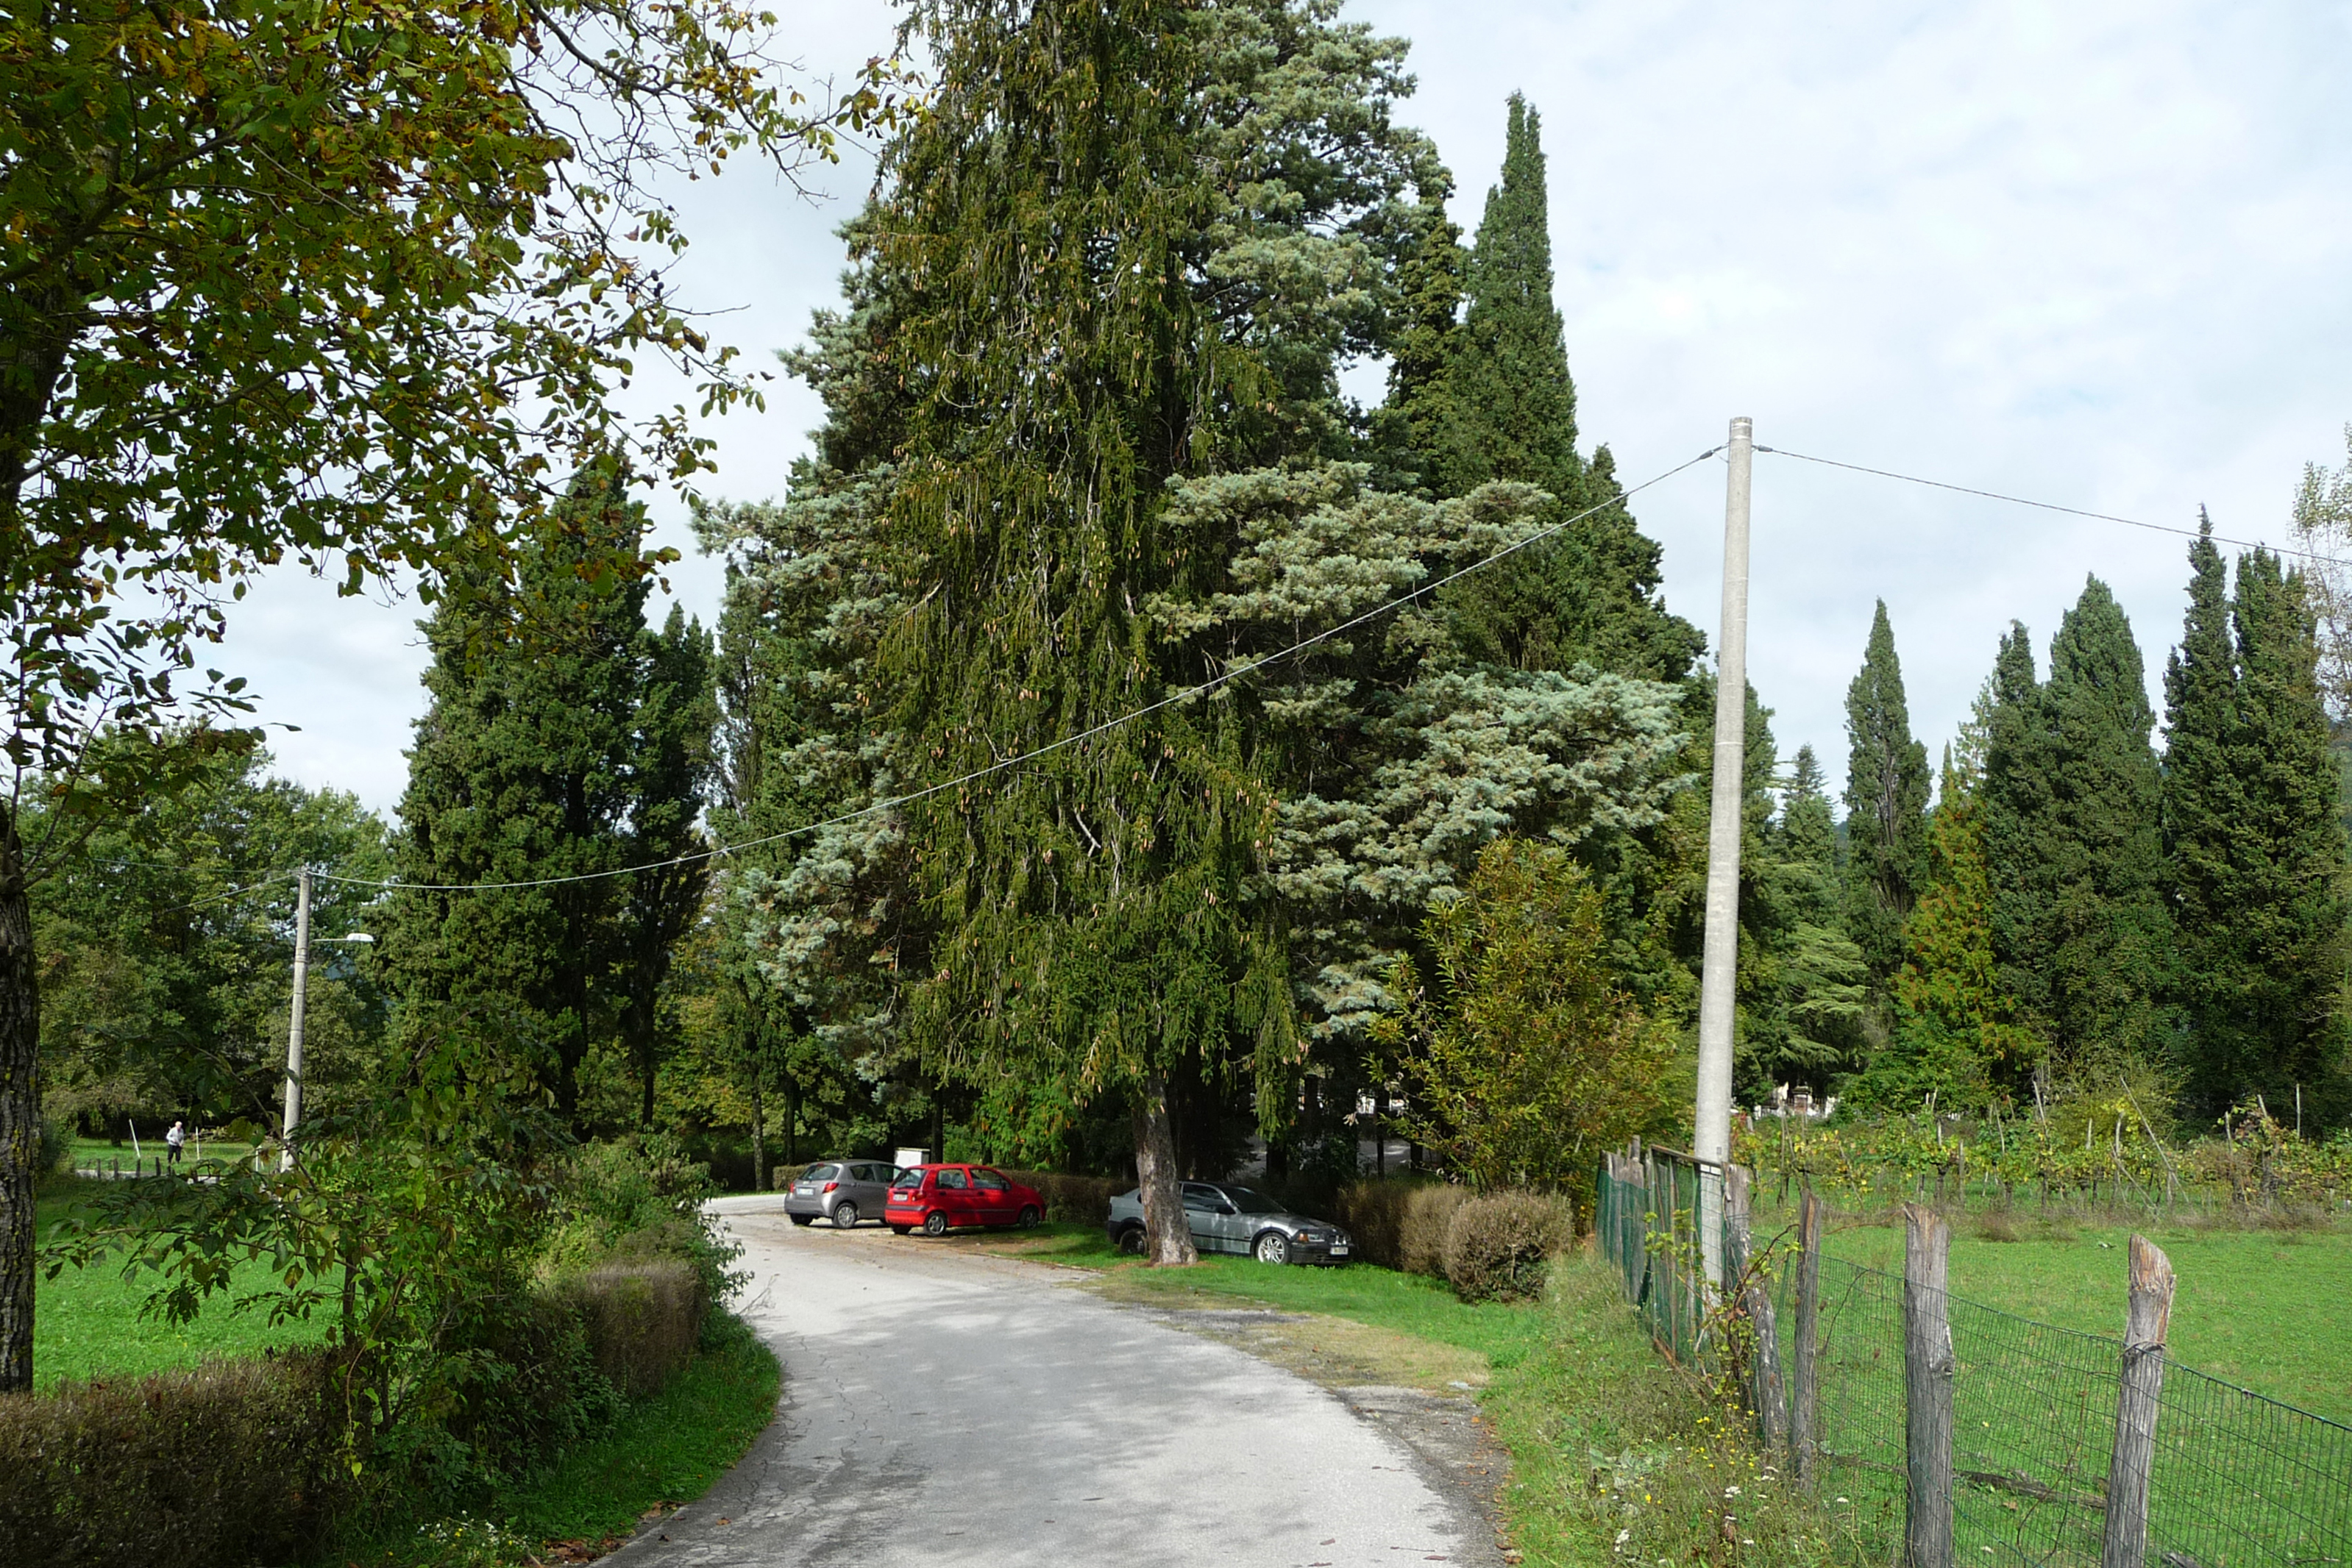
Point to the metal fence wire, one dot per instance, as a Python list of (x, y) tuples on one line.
[(2237, 1479)]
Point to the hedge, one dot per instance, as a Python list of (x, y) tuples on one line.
[(217, 1466)]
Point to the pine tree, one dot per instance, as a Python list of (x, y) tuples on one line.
[(2080, 935), (1885, 803), (2253, 839)]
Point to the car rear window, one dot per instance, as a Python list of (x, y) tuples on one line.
[(822, 1173), (908, 1179)]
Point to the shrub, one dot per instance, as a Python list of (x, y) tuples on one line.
[(1078, 1199), (642, 1319), (1498, 1248), (1400, 1224), (637, 1200), (228, 1464)]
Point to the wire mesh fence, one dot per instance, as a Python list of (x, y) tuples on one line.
[(2235, 1479)]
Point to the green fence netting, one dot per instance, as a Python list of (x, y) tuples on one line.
[(2239, 1481)]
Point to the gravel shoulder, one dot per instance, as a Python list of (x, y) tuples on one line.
[(944, 1407)]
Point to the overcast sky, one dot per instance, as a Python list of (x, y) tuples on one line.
[(2095, 254)]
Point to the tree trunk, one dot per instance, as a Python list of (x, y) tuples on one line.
[(759, 1136), (20, 1111), (1171, 1237)]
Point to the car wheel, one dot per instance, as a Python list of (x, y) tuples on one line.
[(935, 1223), (1273, 1247), (803, 1219), (845, 1214), (1029, 1217), (1132, 1241)]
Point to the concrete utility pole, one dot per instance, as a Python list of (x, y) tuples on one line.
[(302, 984), (294, 1015), (1711, 1139)]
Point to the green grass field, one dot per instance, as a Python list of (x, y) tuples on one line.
[(86, 1322), (2261, 1309)]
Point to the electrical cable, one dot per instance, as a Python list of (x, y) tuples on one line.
[(1187, 694), (2054, 506)]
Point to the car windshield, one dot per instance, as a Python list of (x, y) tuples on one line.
[(1245, 1201)]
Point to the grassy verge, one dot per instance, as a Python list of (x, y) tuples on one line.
[(87, 1322), (2260, 1308), (662, 1451)]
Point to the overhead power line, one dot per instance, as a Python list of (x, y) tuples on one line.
[(1077, 737), (2054, 506)]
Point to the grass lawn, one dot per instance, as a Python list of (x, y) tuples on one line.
[(86, 1322), (662, 1451), (2261, 1309)]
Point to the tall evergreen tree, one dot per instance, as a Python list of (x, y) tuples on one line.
[(2253, 841), (1823, 974), (2080, 935), (1513, 407), (1504, 408), (535, 763), (1885, 803)]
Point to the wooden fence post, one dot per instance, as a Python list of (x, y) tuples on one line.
[(2146, 1320), (1804, 1414), (1928, 1366), (1766, 1394)]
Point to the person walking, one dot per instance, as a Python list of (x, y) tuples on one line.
[(172, 1140)]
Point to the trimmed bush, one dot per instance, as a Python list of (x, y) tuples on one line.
[(217, 1466), (642, 1319), (1400, 1224), (1078, 1199), (1498, 1248)]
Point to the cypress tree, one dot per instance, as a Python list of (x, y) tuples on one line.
[(1885, 803), (1512, 405), (2072, 790), (2254, 838), (564, 740), (1504, 408), (519, 775), (2017, 777), (1822, 974)]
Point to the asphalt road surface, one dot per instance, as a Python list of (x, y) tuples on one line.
[(944, 1409)]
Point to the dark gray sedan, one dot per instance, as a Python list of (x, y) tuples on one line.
[(844, 1191), (1237, 1220)]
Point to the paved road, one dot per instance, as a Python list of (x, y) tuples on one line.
[(954, 1410)]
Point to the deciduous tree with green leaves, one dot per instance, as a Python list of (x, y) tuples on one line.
[(340, 284), (1522, 1056)]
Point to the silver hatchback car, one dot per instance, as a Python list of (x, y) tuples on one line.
[(843, 1191)]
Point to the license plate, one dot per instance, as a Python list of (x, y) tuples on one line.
[(1340, 1250), (803, 1190)]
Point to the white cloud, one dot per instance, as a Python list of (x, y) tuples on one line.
[(2093, 253)]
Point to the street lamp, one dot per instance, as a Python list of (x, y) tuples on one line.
[(294, 1019)]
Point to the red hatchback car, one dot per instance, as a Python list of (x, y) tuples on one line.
[(937, 1200)]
